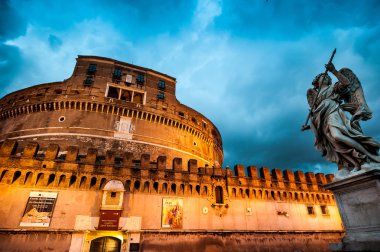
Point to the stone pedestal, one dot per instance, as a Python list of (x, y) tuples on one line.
[(358, 199)]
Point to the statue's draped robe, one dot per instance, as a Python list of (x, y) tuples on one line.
[(327, 114)]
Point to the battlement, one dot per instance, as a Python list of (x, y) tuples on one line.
[(53, 167)]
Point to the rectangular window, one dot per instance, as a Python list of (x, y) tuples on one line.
[(117, 73), (113, 194), (204, 124), (140, 79), (161, 96), (113, 93), (324, 210), (310, 210), (134, 247), (161, 85), (88, 81), (181, 114), (91, 70)]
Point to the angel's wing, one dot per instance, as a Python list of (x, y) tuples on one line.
[(311, 95), (354, 98)]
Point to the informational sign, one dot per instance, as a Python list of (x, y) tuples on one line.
[(109, 219), (124, 128), (39, 209), (172, 212), (128, 79)]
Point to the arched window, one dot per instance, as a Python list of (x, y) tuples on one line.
[(272, 195), (174, 188), (62, 180), (51, 179), (164, 188), (40, 178), (82, 183), (182, 189), (234, 192), (146, 186), (155, 187), (137, 98), (102, 183), (219, 195), (137, 186), (198, 189), (191, 189), (92, 182), (205, 191), (16, 176), (128, 186), (73, 179), (28, 178)]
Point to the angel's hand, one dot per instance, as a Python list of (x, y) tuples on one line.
[(330, 67), (305, 127)]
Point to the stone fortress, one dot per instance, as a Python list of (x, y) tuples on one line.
[(110, 160)]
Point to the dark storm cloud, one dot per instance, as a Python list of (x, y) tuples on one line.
[(293, 19), (368, 44), (10, 66), (11, 26)]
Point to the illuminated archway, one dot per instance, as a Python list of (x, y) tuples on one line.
[(105, 244)]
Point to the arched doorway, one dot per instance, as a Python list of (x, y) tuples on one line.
[(105, 244)]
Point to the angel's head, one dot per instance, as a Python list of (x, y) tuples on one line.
[(317, 82)]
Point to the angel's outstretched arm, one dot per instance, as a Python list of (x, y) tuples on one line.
[(343, 81)]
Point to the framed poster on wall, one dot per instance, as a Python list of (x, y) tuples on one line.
[(39, 209), (172, 213)]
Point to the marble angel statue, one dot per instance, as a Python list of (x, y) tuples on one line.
[(339, 138)]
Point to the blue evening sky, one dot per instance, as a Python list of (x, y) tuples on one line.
[(246, 65)]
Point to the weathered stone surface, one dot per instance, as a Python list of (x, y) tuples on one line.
[(34, 241), (358, 199), (237, 241)]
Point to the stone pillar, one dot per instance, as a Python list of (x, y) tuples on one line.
[(358, 200)]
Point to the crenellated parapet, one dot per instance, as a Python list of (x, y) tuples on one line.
[(50, 166)]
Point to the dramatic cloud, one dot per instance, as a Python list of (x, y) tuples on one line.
[(246, 65)]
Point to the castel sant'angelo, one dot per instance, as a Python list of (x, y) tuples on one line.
[(110, 160)]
